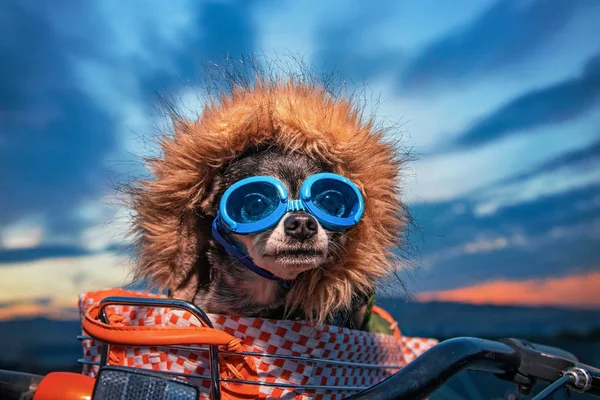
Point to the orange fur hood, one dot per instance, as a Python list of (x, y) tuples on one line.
[(173, 226)]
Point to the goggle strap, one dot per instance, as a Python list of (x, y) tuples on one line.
[(295, 205), (245, 259)]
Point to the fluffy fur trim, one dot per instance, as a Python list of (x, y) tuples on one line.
[(173, 220)]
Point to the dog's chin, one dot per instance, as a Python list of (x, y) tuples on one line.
[(289, 264)]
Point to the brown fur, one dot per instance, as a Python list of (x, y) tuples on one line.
[(173, 225)]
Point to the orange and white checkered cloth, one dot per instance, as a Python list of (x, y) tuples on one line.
[(295, 338)]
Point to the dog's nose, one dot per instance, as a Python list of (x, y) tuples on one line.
[(300, 226)]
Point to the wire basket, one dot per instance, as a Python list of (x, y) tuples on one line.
[(236, 357)]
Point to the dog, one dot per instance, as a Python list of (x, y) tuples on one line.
[(289, 131), (296, 244)]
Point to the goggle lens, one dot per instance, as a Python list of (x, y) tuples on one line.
[(252, 202), (334, 198)]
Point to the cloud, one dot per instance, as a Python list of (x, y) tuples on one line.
[(336, 47), (76, 88), (564, 172), (23, 234), (62, 279), (515, 239), (581, 157), (76, 97), (577, 291), (549, 257), (506, 33), (534, 188), (53, 137), (28, 309), (456, 246), (8, 257), (450, 175), (554, 104), (455, 222)]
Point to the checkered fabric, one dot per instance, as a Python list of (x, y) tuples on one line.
[(288, 338)]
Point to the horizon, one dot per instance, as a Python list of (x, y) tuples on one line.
[(35, 310)]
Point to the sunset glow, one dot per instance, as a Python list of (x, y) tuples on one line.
[(580, 291), (54, 311), (50, 287)]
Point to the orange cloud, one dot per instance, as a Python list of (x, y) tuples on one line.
[(29, 310), (582, 291), (59, 281)]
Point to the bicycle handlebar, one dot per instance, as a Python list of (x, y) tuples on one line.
[(511, 359), (433, 368)]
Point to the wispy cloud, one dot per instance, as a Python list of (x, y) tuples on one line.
[(487, 241), (554, 104), (37, 253), (23, 234), (534, 188), (587, 156), (503, 35), (459, 245), (57, 252), (468, 171)]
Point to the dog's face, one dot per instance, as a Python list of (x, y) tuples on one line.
[(298, 242)]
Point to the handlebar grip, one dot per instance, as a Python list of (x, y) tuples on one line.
[(549, 363), (541, 348)]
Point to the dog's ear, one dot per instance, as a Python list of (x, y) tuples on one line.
[(210, 203), (192, 269)]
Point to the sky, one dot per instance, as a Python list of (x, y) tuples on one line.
[(499, 102)]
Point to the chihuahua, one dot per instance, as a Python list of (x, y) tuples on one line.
[(296, 243), (280, 201)]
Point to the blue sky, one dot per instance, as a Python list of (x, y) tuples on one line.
[(499, 100)]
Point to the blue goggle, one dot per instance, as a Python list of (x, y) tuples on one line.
[(258, 203)]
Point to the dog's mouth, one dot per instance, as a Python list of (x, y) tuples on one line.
[(299, 253), (297, 256)]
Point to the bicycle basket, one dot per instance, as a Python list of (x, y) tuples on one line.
[(275, 359)]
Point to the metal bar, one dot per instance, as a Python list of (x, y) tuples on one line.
[(105, 346), (198, 348), (313, 360), (206, 377), (204, 349), (86, 362), (556, 385), (215, 384), (294, 386), (162, 303)]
